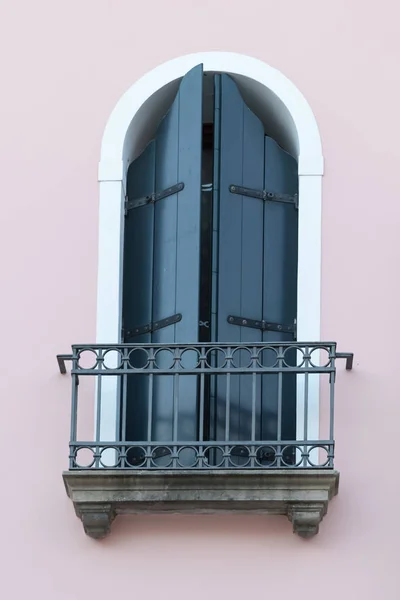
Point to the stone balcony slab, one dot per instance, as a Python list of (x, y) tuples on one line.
[(99, 495)]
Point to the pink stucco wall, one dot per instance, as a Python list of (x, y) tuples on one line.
[(64, 66)]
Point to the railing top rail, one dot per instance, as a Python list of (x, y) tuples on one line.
[(314, 345), (177, 351)]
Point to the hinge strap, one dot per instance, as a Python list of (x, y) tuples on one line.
[(129, 204), (263, 325), (150, 327), (265, 195)]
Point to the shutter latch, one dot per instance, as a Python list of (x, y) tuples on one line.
[(265, 195), (135, 203), (263, 325), (150, 327)]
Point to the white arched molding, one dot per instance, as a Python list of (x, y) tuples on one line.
[(123, 139)]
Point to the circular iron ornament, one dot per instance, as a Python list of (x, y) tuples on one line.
[(112, 359), (242, 358), (138, 358), (267, 352), (266, 456), (239, 456), (89, 355), (135, 457), (89, 462), (216, 357), (164, 358), (189, 358), (319, 464), (163, 454), (323, 350), (211, 457), (182, 454), (117, 455), (293, 357), (289, 453)]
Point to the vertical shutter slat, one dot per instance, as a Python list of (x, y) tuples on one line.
[(165, 254), (177, 249), (138, 275), (188, 240), (240, 245), (280, 283)]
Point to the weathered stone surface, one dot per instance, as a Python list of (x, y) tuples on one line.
[(306, 517), (301, 495), (96, 518)]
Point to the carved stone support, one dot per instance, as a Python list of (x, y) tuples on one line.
[(306, 518), (96, 518)]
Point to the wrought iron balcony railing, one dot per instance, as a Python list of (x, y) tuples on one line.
[(237, 392)]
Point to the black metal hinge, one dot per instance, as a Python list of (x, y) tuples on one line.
[(136, 202), (265, 195), (263, 325), (150, 327)]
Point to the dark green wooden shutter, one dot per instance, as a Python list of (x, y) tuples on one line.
[(257, 260), (162, 258)]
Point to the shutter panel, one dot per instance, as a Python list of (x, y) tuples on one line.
[(163, 261), (280, 283), (240, 248), (177, 248), (257, 262)]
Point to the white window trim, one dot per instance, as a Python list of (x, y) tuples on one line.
[(302, 127)]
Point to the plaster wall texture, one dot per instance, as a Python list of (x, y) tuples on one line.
[(63, 68)]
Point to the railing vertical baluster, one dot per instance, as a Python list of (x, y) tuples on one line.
[(331, 408), (118, 429), (228, 407), (253, 416), (306, 448), (253, 406), (201, 417), (123, 450), (98, 406), (150, 418), (279, 423), (175, 418), (74, 412)]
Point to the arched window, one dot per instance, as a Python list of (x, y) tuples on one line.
[(288, 119), (210, 255)]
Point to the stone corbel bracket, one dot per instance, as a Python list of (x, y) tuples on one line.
[(302, 495)]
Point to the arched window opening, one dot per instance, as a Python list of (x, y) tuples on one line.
[(210, 255)]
